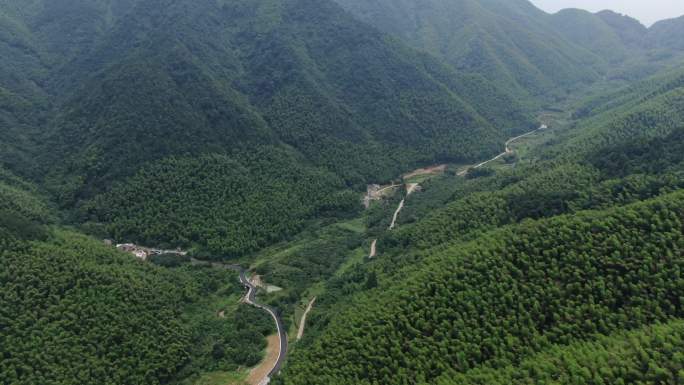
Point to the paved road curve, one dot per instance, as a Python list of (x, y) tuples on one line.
[(250, 298)]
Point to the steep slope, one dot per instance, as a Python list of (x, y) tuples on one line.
[(593, 32), (630, 30), (667, 34), (75, 311), (131, 87), (439, 303), (510, 42), (257, 59), (507, 296)]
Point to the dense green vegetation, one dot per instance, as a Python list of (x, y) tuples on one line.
[(527, 51), (507, 295), (652, 355), (245, 130), (324, 97), (77, 312), (511, 42), (226, 207), (311, 259), (481, 288), (22, 198)]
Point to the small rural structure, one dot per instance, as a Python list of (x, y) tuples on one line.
[(143, 253)]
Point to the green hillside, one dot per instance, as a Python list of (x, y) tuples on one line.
[(593, 32), (146, 86), (556, 257), (246, 132), (505, 296), (666, 33), (536, 56), (649, 355), (77, 312), (511, 42)]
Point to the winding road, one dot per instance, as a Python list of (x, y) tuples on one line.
[(250, 298), (507, 150)]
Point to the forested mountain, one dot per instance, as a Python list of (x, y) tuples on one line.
[(526, 50), (666, 34), (77, 312), (511, 294), (551, 261), (632, 50), (599, 32), (509, 41), (118, 87), (246, 131)]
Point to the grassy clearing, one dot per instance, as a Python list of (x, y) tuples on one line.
[(356, 225), (358, 256)]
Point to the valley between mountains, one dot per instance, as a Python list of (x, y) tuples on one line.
[(339, 192)]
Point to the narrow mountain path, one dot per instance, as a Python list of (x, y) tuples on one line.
[(410, 188), (302, 322), (396, 214), (374, 249)]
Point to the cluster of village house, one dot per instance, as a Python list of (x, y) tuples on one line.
[(142, 252)]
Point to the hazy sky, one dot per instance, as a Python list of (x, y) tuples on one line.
[(647, 11)]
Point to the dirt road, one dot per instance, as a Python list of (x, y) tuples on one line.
[(396, 214), (302, 322), (410, 189), (373, 250)]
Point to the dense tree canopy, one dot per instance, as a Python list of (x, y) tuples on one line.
[(508, 295)]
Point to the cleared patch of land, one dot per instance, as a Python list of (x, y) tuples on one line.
[(259, 372), (426, 171), (259, 282)]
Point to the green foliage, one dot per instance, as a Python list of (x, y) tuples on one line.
[(76, 312), (23, 211), (510, 43), (227, 126), (312, 258), (651, 355), (481, 291), (506, 296), (121, 93), (169, 260), (228, 206), (664, 34)]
